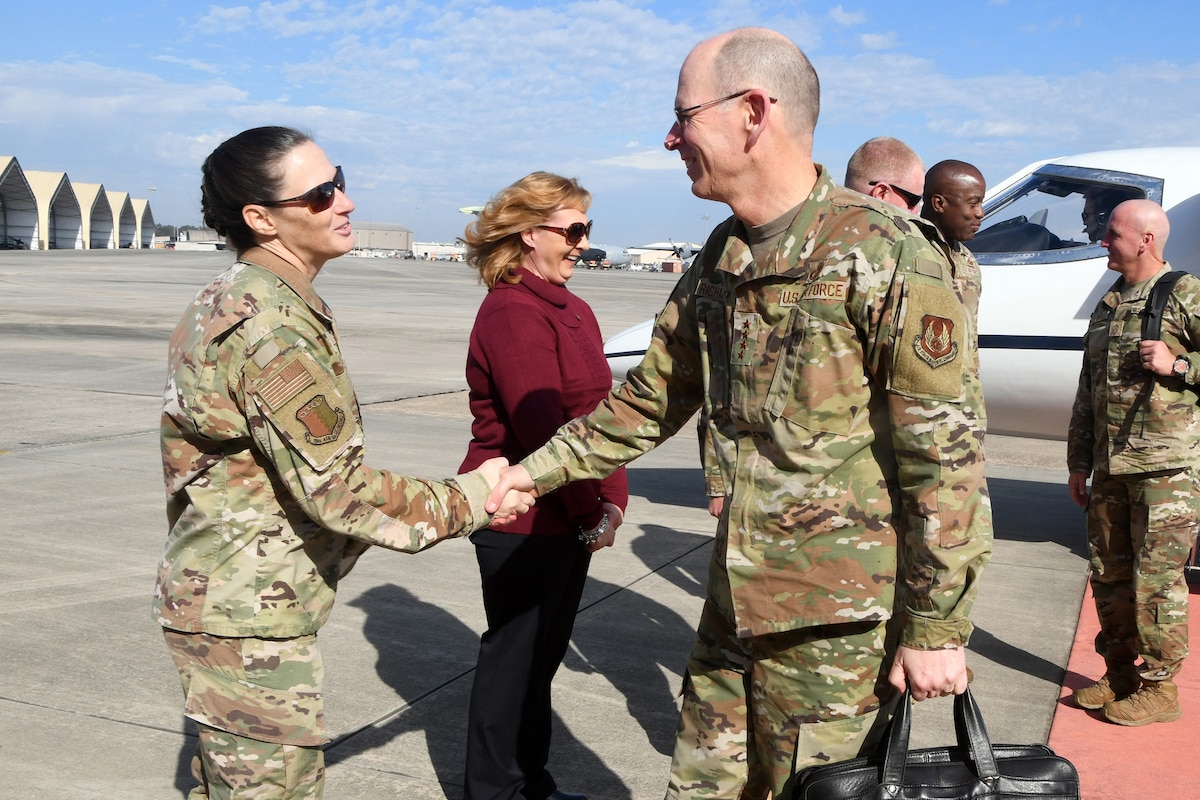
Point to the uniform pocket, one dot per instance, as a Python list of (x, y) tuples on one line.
[(835, 740), (818, 377), (273, 697)]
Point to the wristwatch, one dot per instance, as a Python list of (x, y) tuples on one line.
[(1180, 368)]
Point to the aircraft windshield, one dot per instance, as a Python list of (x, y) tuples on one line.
[(1052, 212)]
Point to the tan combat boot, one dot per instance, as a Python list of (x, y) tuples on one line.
[(1156, 701), (1117, 684)]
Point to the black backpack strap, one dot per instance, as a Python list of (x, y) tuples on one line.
[(1152, 321)]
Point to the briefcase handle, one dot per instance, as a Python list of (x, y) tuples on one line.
[(968, 727)]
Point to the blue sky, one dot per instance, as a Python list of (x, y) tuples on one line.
[(434, 106)]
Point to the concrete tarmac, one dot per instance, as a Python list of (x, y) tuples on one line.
[(90, 704)]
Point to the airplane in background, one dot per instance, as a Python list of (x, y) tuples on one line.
[(1043, 272)]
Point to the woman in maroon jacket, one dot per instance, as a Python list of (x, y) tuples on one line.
[(535, 362)]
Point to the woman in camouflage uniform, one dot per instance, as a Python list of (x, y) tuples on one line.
[(268, 499)]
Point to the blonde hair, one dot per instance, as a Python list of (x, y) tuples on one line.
[(493, 240)]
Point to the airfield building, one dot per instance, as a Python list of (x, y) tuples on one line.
[(47, 210), (41, 210), (381, 238)]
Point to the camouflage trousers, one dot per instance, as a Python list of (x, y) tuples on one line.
[(758, 710), (1141, 528), (257, 704)]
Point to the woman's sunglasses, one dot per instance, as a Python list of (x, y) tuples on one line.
[(318, 198), (573, 232)]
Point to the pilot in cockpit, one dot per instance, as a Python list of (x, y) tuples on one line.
[(1097, 206)]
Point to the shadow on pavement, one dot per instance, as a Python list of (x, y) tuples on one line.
[(400, 627), (1032, 511)]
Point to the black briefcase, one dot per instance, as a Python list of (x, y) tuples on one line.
[(973, 769)]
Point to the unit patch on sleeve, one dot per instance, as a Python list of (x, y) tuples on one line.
[(322, 423), (928, 357), (935, 344), (301, 401)]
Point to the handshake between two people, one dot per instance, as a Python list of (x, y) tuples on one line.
[(513, 494)]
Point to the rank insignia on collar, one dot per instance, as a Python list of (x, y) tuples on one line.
[(936, 346)]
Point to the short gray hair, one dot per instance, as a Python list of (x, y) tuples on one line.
[(757, 58), (883, 158)]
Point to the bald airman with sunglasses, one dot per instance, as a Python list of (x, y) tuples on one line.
[(889, 170)]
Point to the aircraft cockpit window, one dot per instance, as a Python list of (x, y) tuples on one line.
[(1057, 213), (1049, 214)]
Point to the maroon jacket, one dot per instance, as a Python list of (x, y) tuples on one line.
[(536, 361)]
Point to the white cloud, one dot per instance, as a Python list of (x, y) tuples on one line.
[(220, 19), (437, 105), (652, 160), (846, 18), (191, 63), (878, 41), (1003, 121)]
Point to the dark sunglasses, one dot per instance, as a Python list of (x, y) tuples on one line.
[(573, 232), (909, 197), (1101, 217), (318, 198)]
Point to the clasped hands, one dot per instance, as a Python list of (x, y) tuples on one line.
[(513, 493), (507, 500)]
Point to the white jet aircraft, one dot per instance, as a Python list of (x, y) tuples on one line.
[(1043, 272)]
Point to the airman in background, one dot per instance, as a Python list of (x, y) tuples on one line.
[(889, 170), (1135, 430)]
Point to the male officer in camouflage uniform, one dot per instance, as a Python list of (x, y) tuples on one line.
[(888, 169), (1135, 429), (884, 168), (953, 201), (826, 343)]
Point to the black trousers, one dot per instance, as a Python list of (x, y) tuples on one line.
[(531, 591)]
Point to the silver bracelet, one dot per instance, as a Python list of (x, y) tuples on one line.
[(590, 538)]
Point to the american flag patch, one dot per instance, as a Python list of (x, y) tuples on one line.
[(285, 385)]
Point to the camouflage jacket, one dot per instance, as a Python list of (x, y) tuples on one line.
[(967, 285), (844, 414), (268, 500), (1122, 421)]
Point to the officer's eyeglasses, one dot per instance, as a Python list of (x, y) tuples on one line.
[(682, 115)]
